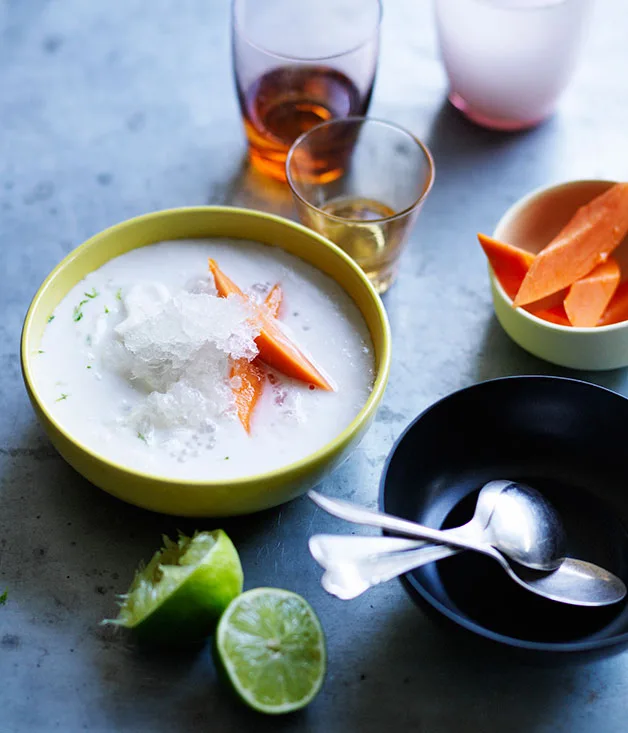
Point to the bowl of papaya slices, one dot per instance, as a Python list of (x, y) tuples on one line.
[(558, 267)]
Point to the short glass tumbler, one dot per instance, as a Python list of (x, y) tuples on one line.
[(508, 61), (298, 63), (368, 196)]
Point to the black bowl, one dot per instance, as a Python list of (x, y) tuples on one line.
[(568, 439)]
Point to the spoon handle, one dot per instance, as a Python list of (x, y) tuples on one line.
[(360, 515), (382, 569), (331, 549), (350, 578)]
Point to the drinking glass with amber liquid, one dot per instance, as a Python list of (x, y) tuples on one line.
[(369, 202), (298, 63)]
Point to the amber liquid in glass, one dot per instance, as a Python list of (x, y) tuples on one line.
[(358, 209), (363, 228), (288, 101)]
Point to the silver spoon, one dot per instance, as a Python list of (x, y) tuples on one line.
[(513, 517), (575, 582)]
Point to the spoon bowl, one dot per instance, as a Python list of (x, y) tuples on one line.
[(520, 522)]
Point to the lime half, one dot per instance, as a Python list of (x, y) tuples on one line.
[(180, 595), (272, 648)]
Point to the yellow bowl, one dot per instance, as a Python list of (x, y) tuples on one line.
[(531, 223), (208, 498)]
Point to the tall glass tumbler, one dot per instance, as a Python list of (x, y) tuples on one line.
[(298, 63), (508, 61)]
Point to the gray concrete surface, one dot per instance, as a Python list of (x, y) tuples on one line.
[(111, 109)]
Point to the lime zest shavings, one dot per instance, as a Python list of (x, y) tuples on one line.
[(77, 313), (63, 397), (4, 597)]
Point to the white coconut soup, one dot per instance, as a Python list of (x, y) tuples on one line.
[(135, 361)]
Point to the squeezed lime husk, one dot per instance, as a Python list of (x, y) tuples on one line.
[(179, 596)]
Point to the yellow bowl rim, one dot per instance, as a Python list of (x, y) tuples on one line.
[(296, 467), (510, 213)]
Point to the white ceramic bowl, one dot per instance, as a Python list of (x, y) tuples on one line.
[(531, 223)]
